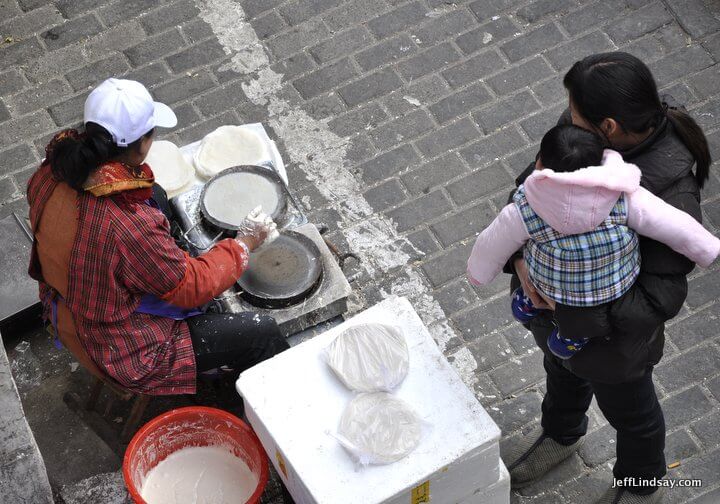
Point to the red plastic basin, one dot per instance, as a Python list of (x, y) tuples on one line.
[(186, 427)]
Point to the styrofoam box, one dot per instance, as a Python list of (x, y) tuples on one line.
[(498, 493), (294, 403)]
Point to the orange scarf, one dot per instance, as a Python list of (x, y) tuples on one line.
[(135, 182)]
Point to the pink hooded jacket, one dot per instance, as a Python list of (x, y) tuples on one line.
[(577, 202)]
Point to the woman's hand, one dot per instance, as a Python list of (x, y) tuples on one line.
[(257, 229), (528, 287), (549, 301)]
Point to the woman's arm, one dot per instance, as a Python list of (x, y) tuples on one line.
[(209, 275), (494, 246), (650, 216), (662, 285), (151, 262)]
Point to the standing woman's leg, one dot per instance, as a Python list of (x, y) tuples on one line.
[(238, 340), (567, 397), (565, 404), (634, 411), (563, 419)]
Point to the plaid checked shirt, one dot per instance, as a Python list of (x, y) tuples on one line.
[(585, 269), (122, 251)]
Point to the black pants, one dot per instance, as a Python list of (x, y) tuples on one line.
[(632, 408), (238, 340)]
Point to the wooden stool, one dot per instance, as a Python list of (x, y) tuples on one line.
[(140, 402), (86, 408)]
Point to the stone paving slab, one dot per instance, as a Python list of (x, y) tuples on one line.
[(403, 124)]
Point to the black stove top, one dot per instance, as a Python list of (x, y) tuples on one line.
[(326, 299)]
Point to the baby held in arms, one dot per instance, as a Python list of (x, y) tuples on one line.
[(577, 218)]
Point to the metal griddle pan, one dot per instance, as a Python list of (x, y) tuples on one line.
[(257, 170), (283, 273)]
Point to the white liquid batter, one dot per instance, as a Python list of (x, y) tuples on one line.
[(235, 195), (199, 475)]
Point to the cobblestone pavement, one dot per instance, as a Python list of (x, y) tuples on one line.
[(404, 124)]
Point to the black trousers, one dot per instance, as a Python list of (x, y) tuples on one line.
[(632, 408), (238, 340)]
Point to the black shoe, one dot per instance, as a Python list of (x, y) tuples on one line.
[(534, 455)]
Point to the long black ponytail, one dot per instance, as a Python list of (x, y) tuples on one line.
[(618, 85), (694, 139), (73, 159)]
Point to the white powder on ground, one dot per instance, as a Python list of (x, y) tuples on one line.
[(200, 475)]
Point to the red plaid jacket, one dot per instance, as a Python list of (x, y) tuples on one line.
[(122, 251)]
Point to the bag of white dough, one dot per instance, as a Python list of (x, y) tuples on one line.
[(369, 357), (378, 428)]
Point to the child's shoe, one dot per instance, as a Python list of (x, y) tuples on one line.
[(522, 307), (564, 348)]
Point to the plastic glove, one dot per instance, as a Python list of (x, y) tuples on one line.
[(257, 229)]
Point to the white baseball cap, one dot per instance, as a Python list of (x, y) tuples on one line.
[(126, 109)]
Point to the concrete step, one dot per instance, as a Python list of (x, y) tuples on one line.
[(23, 477)]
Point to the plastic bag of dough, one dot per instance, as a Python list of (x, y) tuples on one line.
[(171, 170), (226, 147), (369, 357), (378, 428)]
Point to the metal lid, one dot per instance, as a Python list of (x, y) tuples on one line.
[(230, 195), (282, 273)]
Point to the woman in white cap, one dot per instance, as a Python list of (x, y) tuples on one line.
[(109, 270)]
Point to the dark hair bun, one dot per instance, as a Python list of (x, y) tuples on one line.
[(73, 159)]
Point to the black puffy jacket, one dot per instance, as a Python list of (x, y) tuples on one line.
[(661, 288)]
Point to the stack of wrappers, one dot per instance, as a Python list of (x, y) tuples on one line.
[(375, 427)]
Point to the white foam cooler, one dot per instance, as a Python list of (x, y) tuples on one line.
[(294, 403), (498, 492)]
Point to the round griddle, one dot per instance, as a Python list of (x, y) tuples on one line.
[(223, 178), (283, 272)]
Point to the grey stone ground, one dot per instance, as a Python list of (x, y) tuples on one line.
[(22, 471), (433, 107)]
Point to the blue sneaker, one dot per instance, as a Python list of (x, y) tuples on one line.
[(564, 348), (522, 308)]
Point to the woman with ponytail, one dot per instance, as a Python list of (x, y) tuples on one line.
[(615, 96), (115, 285)]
